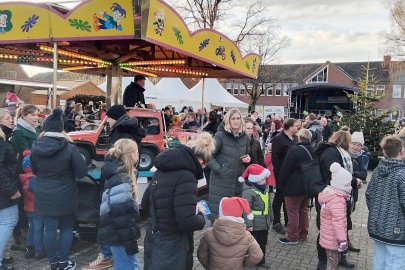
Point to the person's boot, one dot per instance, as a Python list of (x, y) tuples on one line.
[(345, 263), (279, 228)]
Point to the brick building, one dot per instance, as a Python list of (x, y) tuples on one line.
[(291, 88)]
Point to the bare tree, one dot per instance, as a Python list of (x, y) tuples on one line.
[(396, 37)]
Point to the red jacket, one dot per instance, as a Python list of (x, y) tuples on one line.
[(271, 180), (28, 195)]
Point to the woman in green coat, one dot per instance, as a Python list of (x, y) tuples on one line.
[(26, 130), (230, 158)]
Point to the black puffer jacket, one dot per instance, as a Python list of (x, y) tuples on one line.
[(119, 213), (56, 163), (290, 177), (133, 95), (175, 198), (127, 128), (280, 145), (8, 174)]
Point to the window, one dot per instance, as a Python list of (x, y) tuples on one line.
[(380, 90), (269, 87), (396, 91), (285, 88), (235, 91), (229, 90), (151, 125), (11, 75), (321, 77), (278, 89), (242, 89), (229, 87)]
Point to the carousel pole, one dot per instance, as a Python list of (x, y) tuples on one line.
[(55, 75), (202, 101)]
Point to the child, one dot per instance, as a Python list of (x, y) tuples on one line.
[(256, 192), (191, 123), (35, 246), (119, 214), (227, 245), (333, 214)]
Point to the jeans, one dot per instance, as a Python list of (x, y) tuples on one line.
[(106, 251), (388, 257), (8, 220), (122, 260), (51, 224), (35, 233), (298, 217), (278, 201)]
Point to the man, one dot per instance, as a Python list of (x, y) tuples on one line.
[(327, 131), (133, 94), (280, 146), (385, 198), (316, 130), (201, 115), (168, 116)]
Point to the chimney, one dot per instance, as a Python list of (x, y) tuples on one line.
[(387, 62)]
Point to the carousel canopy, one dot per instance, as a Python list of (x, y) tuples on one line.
[(100, 37)]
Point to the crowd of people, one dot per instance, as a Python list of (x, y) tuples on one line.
[(253, 170)]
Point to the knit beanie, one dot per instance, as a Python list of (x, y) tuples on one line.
[(254, 173), (234, 207), (116, 111), (54, 122), (358, 137), (340, 177)]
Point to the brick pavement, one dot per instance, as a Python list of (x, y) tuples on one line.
[(283, 257)]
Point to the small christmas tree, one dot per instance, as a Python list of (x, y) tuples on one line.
[(374, 126)]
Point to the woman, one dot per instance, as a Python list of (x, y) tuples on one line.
[(57, 163), (26, 131), (119, 214), (255, 152), (9, 193), (68, 116), (230, 158), (6, 123), (290, 180), (213, 123), (78, 115), (171, 200), (336, 150)]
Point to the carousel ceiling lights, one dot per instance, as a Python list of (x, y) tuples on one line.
[(154, 63), (77, 68), (74, 55), (140, 72), (186, 71)]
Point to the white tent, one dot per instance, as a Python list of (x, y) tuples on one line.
[(177, 89), (215, 94)]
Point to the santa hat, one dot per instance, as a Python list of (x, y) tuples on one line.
[(340, 176), (234, 207), (358, 137), (254, 173)]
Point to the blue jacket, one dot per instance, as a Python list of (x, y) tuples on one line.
[(119, 213)]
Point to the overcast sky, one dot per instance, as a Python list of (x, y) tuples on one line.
[(321, 30)]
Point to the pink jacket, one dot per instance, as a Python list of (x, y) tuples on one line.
[(333, 217)]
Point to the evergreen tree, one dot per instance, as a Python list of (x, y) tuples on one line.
[(374, 126)]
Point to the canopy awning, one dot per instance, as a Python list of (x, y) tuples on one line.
[(30, 84), (96, 36), (320, 87)]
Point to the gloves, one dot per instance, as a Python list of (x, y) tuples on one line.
[(343, 247)]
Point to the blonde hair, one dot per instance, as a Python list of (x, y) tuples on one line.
[(125, 150), (25, 110), (176, 120), (2, 135), (341, 139), (203, 146), (304, 135), (3, 114), (227, 120)]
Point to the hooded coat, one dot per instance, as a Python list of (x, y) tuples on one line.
[(127, 128), (226, 167), (385, 198), (228, 246), (262, 222), (119, 213), (133, 95), (56, 163), (333, 217), (173, 212)]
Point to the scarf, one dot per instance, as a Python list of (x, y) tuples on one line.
[(24, 124), (347, 159), (355, 155)]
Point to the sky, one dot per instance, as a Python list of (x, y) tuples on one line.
[(321, 30)]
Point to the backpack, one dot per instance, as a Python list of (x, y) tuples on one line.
[(311, 175)]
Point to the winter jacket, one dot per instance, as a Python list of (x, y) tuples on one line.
[(22, 139), (326, 133), (290, 177), (8, 175), (385, 198), (28, 194), (266, 125), (127, 128), (134, 95), (56, 163), (260, 222), (256, 153), (7, 131), (316, 131), (191, 125), (211, 128), (175, 198), (228, 246), (333, 217), (226, 167), (279, 148), (271, 180), (119, 213)]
